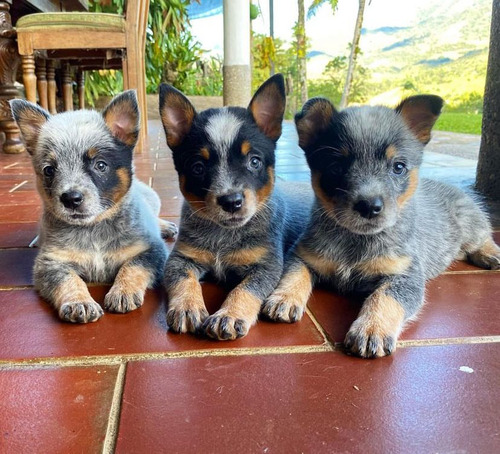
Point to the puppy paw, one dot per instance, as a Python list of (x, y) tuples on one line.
[(186, 320), (80, 312), (168, 229), (369, 345), (281, 307), (488, 257), (121, 302), (221, 326)]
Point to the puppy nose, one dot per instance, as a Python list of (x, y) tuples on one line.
[(231, 202), (72, 199), (369, 208)]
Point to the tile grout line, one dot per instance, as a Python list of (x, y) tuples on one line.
[(449, 341), (114, 412), (317, 324), (110, 360)]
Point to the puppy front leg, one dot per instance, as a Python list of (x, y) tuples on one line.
[(288, 302), (186, 308), (61, 286), (242, 306), (381, 319), (135, 276)]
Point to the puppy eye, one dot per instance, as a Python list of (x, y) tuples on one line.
[(399, 168), (49, 171), (255, 163), (198, 169), (101, 166)]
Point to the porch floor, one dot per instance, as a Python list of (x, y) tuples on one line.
[(126, 383)]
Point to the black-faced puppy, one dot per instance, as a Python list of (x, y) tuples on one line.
[(235, 225), (376, 228), (99, 223)]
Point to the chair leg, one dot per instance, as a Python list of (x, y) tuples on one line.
[(67, 87), (51, 86), (80, 81), (133, 76), (41, 82), (29, 78)]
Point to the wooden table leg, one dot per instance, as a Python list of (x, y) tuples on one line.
[(9, 62)]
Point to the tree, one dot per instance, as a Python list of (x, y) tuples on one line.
[(488, 168), (353, 55), (300, 36)]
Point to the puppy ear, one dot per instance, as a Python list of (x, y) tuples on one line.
[(268, 106), (314, 118), (122, 117), (420, 113), (30, 118), (177, 114)]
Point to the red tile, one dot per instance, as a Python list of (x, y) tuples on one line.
[(55, 410), (20, 213), (17, 235), (16, 268), (457, 305), (29, 328), (20, 198), (415, 401)]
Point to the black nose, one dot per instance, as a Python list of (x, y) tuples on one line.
[(72, 199), (369, 209), (231, 202)]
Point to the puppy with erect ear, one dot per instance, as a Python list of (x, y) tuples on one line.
[(377, 229), (236, 223), (99, 224)]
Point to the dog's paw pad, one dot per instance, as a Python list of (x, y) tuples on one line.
[(168, 229), (224, 327), (186, 320), (369, 344), (282, 308), (122, 302), (84, 312)]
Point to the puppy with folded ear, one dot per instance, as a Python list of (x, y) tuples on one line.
[(377, 229), (99, 223), (235, 225)]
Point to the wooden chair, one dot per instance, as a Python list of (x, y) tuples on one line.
[(82, 31)]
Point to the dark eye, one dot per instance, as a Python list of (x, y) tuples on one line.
[(101, 166), (198, 169), (49, 171), (399, 168), (255, 163)]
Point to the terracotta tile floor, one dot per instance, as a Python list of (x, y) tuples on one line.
[(127, 384)]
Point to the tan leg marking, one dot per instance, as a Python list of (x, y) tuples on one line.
[(186, 308), (127, 292), (374, 333), (288, 302), (73, 302), (198, 255), (384, 266), (487, 256), (238, 313), (245, 257)]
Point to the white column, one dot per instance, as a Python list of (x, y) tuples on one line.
[(237, 73)]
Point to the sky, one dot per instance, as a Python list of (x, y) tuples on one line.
[(327, 32)]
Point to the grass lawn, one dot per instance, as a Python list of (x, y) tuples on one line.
[(468, 123)]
